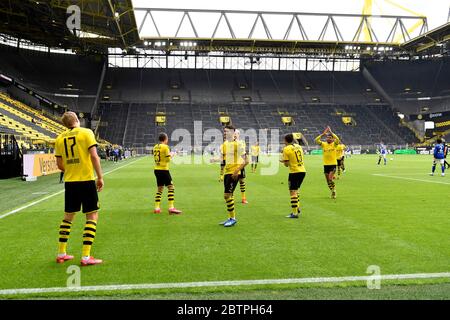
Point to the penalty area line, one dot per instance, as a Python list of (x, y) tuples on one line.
[(411, 179), (56, 193), (177, 285)]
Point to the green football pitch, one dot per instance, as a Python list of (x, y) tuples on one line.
[(392, 218)]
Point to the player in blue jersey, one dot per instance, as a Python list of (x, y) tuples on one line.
[(438, 154), (382, 154)]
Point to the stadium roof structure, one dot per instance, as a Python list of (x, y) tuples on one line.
[(362, 36), (117, 24), (104, 23), (430, 42)]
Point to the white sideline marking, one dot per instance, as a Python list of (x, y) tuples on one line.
[(176, 285), (56, 193), (412, 179), (30, 204)]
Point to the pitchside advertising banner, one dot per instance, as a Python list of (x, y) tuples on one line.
[(436, 116), (424, 150), (41, 164)]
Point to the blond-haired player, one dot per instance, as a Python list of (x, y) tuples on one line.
[(76, 155)]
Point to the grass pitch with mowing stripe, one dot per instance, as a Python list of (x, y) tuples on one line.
[(399, 225)]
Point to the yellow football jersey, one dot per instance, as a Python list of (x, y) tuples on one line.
[(73, 147), (255, 151), (161, 155), (232, 152), (242, 146), (340, 151), (329, 151), (294, 154)]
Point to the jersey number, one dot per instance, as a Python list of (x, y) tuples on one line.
[(298, 155), (74, 142), (157, 156)]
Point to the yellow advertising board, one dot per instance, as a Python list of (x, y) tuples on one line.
[(225, 119), (347, 120), (297, 135), (160, 119), (286, 120)]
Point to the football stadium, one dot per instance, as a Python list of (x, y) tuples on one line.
[(239, 150)]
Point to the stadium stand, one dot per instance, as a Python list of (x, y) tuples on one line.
[(225, 86), (428, 77), (131, 98), (21, 128), (138, 95), (113, 121), (47, 121), (54, 75), (414, 85), (373, 123), (26, 121)]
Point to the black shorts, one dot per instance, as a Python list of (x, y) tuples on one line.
[(255, 159), (163, 178), (82, 193), (295, 180), (340, 161), (229, 183), (242, 175), (329, 168)]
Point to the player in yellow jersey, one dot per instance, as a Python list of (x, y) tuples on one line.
[(235, 160), (161, 155), (243, 148), (329, 157), (255, 150), (222, 164), (340, 156), (293, 158), (76, 155)]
